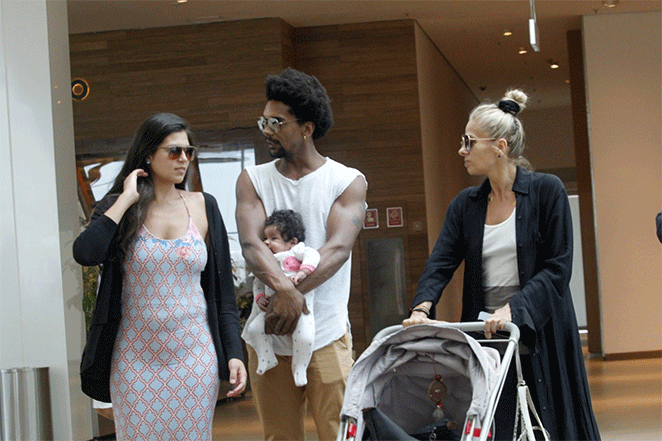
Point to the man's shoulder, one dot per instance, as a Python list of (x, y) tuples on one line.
[(262, 173), (341, 173), (335, 165), (262, 168)]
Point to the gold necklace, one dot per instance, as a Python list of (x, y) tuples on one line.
[(490, 198)]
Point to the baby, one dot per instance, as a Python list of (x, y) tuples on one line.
[(284, 235)]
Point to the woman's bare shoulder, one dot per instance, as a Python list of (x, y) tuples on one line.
[(195, 197)]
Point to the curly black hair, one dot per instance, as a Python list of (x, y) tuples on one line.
[(305, 96), (289, 223)]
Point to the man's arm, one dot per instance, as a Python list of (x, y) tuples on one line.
[(287, 303), (343, 226)]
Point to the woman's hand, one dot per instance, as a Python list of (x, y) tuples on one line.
[(497, 320), (131, 185), (417, 318), (128, 197), (238, 377), (419, 315)]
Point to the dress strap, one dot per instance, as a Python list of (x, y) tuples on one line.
[(185, 204)]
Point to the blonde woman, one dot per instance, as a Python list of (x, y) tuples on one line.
[(514, 235)]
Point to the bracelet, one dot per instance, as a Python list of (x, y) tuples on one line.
[(422, 309)]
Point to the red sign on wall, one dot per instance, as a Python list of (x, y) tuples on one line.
[(371, 219), (394, 217)]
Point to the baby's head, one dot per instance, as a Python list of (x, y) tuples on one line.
[(283, 229)]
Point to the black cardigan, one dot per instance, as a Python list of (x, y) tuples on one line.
[(98, 243), (542, 309)]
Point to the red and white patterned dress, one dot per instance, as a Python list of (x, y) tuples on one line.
[(164, 372)]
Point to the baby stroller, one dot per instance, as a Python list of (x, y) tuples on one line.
[(429, 381)]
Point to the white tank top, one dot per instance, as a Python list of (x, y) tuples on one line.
[(500, 275), (312, 196)]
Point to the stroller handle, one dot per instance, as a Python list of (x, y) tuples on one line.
[(510, 328)]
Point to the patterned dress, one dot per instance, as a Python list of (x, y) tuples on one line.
[(164, 372)]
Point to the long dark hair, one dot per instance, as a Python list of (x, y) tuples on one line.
[(149, 136)]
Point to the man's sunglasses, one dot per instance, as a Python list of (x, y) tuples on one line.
[(175, 152), (273, 123)]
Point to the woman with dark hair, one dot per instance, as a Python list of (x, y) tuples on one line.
[(514, 235), (166, 328)]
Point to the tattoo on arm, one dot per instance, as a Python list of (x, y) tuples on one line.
[(357, 221)]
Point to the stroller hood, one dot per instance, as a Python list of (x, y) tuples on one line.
[(394, 373)]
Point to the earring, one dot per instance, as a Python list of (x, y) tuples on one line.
[(499, 155), (149, 162), (305, 137)]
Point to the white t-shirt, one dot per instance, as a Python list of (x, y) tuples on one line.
[(312, 196), (500, 276)]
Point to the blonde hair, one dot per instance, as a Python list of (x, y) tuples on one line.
[(499, 120)]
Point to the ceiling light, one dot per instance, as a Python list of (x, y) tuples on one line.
[(522, 50), (534, 36), (507, 33), (181, 1), (552, 64), (610, 3)]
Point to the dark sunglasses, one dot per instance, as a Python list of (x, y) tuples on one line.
[(468, 142), (175, 152), (273, 123)]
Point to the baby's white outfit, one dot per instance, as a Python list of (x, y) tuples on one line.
[(303, 339)]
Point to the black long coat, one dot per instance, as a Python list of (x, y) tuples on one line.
[(542, 309)]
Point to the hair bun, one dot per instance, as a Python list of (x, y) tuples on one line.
[(509, 106), (514, 97)]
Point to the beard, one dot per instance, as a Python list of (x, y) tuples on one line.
[(277, 153), (276, 150)]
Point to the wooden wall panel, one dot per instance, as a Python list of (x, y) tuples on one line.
[(585, 188), (211, 74), (370, 73)]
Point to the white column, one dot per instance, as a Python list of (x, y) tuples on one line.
[(39, 206), (623, 76)]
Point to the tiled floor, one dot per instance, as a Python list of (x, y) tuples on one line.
[(627, 401)]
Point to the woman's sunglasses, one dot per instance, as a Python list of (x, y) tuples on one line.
[(175, 152), (468, 142)]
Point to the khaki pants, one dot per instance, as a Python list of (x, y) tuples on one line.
[(281, 405)]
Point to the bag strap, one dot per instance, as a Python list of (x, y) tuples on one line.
[(525, 408)]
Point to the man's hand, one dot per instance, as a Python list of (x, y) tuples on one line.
[(283, 312)]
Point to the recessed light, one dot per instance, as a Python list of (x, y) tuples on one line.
[(522, 50), (554, 65), (610, 3), (507, 33)]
